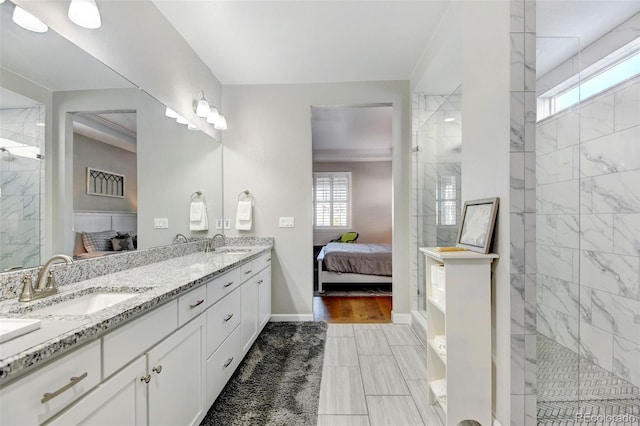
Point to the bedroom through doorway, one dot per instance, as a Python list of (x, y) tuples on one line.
[(352, 213)]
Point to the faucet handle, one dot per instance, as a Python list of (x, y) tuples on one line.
[(51, 281), (27, 289)]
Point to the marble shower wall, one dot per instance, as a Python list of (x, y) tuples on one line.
[(588, 222), (437, 149), (21, 189)]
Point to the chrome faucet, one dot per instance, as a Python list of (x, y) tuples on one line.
[(210, 246), (46, 282), (178, 236)]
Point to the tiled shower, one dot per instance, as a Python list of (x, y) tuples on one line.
[(588, 257), (21, 183)]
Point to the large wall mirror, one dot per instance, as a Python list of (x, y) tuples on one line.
[(84, 149)]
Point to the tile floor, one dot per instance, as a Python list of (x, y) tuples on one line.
[(374, 375)]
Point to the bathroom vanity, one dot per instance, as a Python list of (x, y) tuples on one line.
[(161, 356)]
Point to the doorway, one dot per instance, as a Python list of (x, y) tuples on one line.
[(352, 212)]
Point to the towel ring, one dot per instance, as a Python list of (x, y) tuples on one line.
[(197, 196), (246, 196)]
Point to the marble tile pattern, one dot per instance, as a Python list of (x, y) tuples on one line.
[(588, 242), (175, 270), (524, 203), (21, 189)]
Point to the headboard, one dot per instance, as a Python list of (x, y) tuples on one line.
[(101, 221)]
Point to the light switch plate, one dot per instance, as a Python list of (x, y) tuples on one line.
[(161, 223), (287, 222), (227, 223)]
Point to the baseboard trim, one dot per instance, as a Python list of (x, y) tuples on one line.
[(291, 317), (400, 318)]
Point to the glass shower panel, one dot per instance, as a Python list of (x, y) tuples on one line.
[(21, 180), (437, 173)]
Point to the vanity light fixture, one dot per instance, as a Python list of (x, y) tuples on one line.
[(221, 124), (85, 13), (214, 116), (202, 109), (181, 120), (28, 21), (192, 126), (170, 113)]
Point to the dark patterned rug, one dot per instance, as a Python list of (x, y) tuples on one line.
[(278, 382)]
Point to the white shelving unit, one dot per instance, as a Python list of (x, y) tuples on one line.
[(459, 334)]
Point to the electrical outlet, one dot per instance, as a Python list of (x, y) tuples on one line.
[(286, 222), (227, 223), (219, 223), (160, 223)]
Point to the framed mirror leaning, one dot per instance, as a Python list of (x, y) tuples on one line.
[(72, 113)]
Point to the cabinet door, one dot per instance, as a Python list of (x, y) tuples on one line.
[(177, 369), (264, 297), (121, 400), (249, 312)]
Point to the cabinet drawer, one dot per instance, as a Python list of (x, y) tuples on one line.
[(58, 384), (263, 261), (222, 318), (127, 342), (191, 305), (247, 270), (219, 287), (222, 364)]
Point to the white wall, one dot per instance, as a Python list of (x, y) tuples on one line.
[(88, 152), (268, 151), (485, 159), (371, 206)]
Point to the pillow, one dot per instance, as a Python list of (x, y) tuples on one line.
[(134, 237), (349, 237), (122, 242), (98, 241)]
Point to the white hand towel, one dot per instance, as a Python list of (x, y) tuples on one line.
[(202, 222), (244, 215), (195, 211)]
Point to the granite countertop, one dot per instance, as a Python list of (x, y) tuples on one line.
[(153, 285)]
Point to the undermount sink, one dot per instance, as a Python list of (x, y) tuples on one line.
[(86, 304), (10, 328)]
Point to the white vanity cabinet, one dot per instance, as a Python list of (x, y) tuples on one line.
[(121, 400), (164, 368), (256, 300), (459, 334)]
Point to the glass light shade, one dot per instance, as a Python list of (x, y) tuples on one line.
[(181, 120), (221, 124), (203, 109), (214, 116), (85, 13), (28, 21), (170, 113), (192, 126)]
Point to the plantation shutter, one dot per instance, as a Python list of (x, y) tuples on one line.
[(332, 199)]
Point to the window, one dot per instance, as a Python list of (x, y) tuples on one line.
[(332, 200), (446, 201), (602, 75)]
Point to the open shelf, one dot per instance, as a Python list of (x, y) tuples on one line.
[(439, 305), (442, 354)]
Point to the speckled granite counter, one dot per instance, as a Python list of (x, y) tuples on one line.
[(153, 284)]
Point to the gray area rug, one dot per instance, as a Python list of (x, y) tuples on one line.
[(278, 382)]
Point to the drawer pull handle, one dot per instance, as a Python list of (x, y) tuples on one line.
[(230, 283), (228, 363), (228, 317), (198, 303), (260, 281), (157, 369), (72, 382), (247, 272), (146, 378)]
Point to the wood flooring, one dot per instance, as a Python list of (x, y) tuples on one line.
[(352, 309)]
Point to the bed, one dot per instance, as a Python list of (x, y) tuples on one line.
[(94, 232), (349, 263)]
